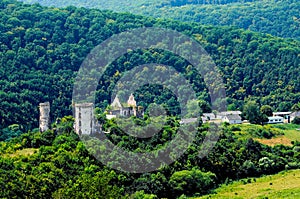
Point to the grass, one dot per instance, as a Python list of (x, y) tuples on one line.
[(290, 131), (283, 185), (23, 152), (284, 133), (276, 141)]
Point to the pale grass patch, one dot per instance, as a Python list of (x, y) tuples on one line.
[(283, 185)]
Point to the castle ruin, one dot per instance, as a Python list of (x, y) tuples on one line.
[(44, 116), (84, 119), (130, 109)]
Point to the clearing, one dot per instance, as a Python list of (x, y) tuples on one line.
[(285, 185)]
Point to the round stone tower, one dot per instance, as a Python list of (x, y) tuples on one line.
[(44, 116)]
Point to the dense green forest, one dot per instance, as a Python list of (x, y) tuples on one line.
[(41, 51), (204, 2), (276, 17), (42, 48), (56, 164)]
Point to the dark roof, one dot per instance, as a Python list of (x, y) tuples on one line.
[(230, 113), (233, 117), (211, 116), (188, 120)]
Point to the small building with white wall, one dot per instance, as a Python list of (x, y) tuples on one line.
[(232, 119), (275, 120)]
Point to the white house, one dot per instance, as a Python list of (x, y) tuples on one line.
[(232, 119), (275, 120), (282, 114)]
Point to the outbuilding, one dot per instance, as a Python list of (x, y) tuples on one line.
[(275, 120), (232, 119)]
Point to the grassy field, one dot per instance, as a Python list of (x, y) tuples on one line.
[(285, 185), (290, 131), (284, 133)]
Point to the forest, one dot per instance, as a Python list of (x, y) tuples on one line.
[(204, 2), (276, 17), (41, 51), (56, 164), (42, 48)]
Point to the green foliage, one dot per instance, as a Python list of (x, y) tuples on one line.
[(213, 2), (235, 128), (279, 18), (252, 112), (11, 131), (64, 125), (96, 185), (62, 167), (189, 182), (281, 185), (296, 107), (266, 131), (42, 48), (266, 110), (142, 195), (296, 120)]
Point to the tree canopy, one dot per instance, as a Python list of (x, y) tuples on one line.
[(279, 18), (42, 49)]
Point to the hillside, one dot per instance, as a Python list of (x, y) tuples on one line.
[(57, 164), (42, 48), (282, 185), (279, 18), (41, 51)]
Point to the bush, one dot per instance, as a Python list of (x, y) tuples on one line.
[(296, 120), (142, 195), (235, 128), (264, 131), (191, 182)]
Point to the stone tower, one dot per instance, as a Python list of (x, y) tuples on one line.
[(84, 119), (44, 116)]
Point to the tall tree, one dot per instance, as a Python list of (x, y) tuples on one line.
[(252, 112)]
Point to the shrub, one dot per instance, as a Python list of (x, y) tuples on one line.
[(189, 182), (235, 128), (296, 120), (142, 195)]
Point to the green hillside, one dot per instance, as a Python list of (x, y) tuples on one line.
[(56, 164), (42, 48), (279, 18), (282, 185), (41, 51)]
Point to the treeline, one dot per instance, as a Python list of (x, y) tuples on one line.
[(56, 164), (204, 2), (43, 48), (279, 18), (276, 17)]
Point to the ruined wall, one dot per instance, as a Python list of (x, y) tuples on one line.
[(132, 103), (84, 118), (44, 116)]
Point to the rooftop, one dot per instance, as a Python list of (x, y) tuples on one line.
[(275, 117), (233, 117)]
